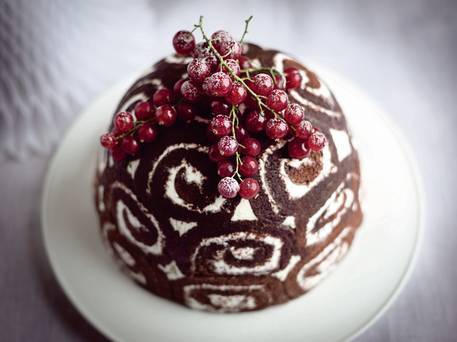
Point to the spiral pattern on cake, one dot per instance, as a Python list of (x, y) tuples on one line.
[(168, 227)]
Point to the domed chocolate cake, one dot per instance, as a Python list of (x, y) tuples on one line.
[(224, 190)]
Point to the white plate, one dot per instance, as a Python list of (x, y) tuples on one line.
[(345, 304)]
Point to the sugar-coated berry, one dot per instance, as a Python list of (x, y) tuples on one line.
[(118, 153), (277, 100), (276, 128), (304, 129), (237, 94), (218, 84), (165, 115), (220, 125), (161, 96), (186, 111), (297, 148), (228, 187), (198, 69), (233, 65), (251, 147), (190, 91), (294, 113), (255, 121), (262, 84), (214, 154), (123, 122), (108, 140), (316, 141), (249, 188), (130, 145), (184, 42), (219, 107), (146, 132), (225, 168), (227, 146), (293, 78), (249, 166), (240, 133), (224, 43), (143, 110)]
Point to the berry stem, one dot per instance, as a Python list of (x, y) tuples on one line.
[(246, 25)]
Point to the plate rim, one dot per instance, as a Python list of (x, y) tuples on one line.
[(369, 322)]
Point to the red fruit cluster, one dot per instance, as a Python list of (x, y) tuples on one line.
[(244, 102)]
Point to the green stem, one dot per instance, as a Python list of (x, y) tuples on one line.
[(246, 25)]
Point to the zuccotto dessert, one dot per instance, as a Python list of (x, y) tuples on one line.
[(229, 181)]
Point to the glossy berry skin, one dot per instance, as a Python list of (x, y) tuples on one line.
[(316, 141), (294, 113), (184, 42), (276, 129), (143, 110), (262, 84), (251, 147), (240, 133), (165, 115), (220, 125), (228, 187), (233, 65), (147, 133), (108, 141), (186, 111), (249, 188), (214, 154), (237, 94), (123, 122), (218, 84), (249, 166), (277, 100), (161, 96), (190, 91), (130, 145), (219, 107), (304, 129), (255, 122), (293, 78), (198, 70), (225, 168), (297, 149), (227, 146), (177, 88), (118, 153)]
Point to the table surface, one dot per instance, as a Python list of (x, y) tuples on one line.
[(404, 54)]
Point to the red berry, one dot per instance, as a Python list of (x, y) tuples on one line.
[(237, 94), (186, 111), (249, 188), (262, 84), (177, 88), (190, 91), (184, 42), (277, 100), (316, 141), (218, 84), (224, 43), (245, 62), (147, 132), (130, 145), (276, 128), (225, 169), (220, 125), (293, 78), (123, 122), (161, 96), (240, 133), (249, 166), (166, 115), (304, 129), (118, 153), (251, 147), (198, 70), (279, 82), (255, 122), (219, 107), (214, 154), (294, 113), (143, 110), (233, 65), (227, 146), (108, 141), (228, 187), (297, 148)]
